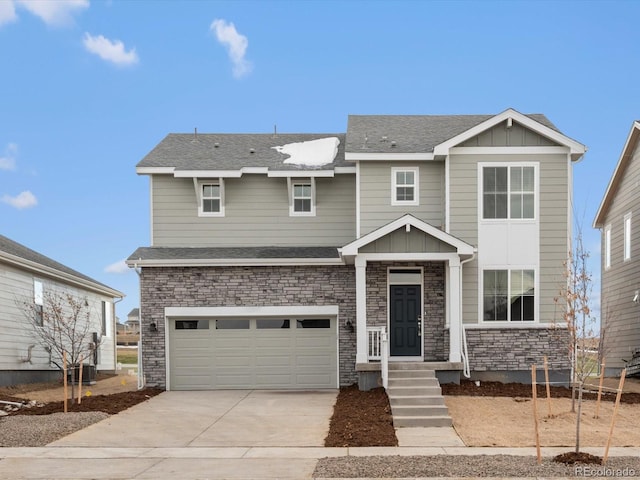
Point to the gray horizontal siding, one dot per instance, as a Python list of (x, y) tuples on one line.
[(375, 194), (620, 315), (554, 212), (256, 214), (514, 136)]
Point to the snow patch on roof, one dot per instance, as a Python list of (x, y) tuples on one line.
[(312, 153)]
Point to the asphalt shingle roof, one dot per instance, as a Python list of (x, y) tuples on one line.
[(233, 151), (412, 133), (212, 253), (18, 250)]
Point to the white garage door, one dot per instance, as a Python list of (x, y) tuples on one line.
[(248, 353)]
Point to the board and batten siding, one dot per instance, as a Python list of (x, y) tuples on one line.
[(16, 332), (620, 315), (554, 216), (375, 194), (256, 214)]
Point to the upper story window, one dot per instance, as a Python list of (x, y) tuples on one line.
[(627, 236), (508, 192), (211, 198), (508, 295), (404, 186), (607, 246), (302, 198), (38, 302)]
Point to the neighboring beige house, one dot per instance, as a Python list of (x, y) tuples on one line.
[(133, 320), (281, 260), (620, 282), (26, 274)]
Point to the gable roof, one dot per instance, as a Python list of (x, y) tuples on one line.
[(434, 134), (231, 151), (461, 247), (625, 157), (25, 258)]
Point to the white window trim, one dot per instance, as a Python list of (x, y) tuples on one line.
[(509, 323), (416, 186), (536, 191), (607, 246), (199, 184), (627, 237), (291, 183)]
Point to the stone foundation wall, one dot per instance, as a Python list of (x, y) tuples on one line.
[(513, 349), (244, 286)]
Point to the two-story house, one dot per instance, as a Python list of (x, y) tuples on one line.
[(620, 263), (277, 260), (30, 286)]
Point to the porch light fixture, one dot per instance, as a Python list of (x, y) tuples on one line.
[(636, 296), (153, 327)]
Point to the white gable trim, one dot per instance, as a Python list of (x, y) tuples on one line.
[(407, 221), (576, 148), (632, 140)]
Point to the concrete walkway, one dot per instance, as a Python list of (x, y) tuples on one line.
[(222, 435)]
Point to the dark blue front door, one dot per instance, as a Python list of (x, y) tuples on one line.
[(405, 309)]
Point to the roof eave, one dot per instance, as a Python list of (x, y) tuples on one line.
[(226, 262)]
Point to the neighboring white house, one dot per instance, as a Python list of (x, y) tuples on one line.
[(26, 275)]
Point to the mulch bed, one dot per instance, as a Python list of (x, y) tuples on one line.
[(111, 404), (497, 389), (361, 419)]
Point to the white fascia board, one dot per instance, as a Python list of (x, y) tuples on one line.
[(155, 170), (509, 150), (209, 173), (244, 262), (62, 277), (625, 157), (462, 247), (300, 173), (277, 311), (577, 149), (354, 157)]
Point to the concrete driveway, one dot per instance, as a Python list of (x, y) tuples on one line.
[(229, 418)]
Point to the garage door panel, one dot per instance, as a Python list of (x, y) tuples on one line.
[(259, 356)]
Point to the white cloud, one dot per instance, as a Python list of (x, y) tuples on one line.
[(118, 267), (236, 45), (23, 200), (8, 160), (57, 13), (111, 51), (7, 12)]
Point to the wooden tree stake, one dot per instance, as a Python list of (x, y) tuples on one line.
[(535, 411), (613, 418), (80, 381), (600, 388), (64, 378), (546, 381)]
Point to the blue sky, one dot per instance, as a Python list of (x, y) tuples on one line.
[(88, 88)]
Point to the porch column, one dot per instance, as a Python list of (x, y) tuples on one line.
[(455, 313), (362, 354)]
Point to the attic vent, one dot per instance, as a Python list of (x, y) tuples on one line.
[(216, 145), (393, 143), (252, 150), (383, 139)]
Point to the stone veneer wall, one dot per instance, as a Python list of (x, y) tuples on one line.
[(435, 336), (244, 286), (512, 349)]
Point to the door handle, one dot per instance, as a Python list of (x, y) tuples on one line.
[(419, 326)]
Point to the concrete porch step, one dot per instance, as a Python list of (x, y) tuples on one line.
[(402, 411), (422, 421), (425, 367), (413, 400), (413, 390), (413, 381)]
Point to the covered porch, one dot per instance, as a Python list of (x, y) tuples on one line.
[(408, 299)]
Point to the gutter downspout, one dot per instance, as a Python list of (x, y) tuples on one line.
[(465, 354), (141, 381)]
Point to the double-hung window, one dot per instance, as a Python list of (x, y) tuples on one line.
[(404, 186), (509, 295), (38, 303), (607, 246), (508, 192), (211, 198), (627, 236), (302, 198)]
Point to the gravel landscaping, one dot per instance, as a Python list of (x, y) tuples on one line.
[(467, 466)]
